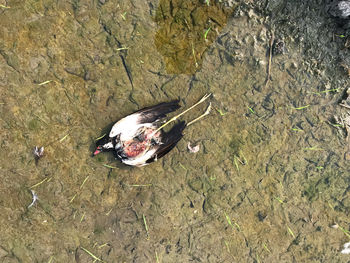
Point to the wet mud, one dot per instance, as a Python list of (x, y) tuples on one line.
[(270, 182)]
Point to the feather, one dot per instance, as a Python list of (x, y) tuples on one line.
[(157, 112), (142, 118)]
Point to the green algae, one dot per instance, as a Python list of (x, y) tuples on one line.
[(183, 35)]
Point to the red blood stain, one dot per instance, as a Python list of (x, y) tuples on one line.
[(134, 148)]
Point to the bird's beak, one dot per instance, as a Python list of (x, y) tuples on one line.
[(97, 151)]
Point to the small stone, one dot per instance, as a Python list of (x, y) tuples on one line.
[(278, 47), (339, 9)]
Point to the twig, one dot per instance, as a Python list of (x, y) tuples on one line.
[(290, 231), (138, 185), (64, 137), (84, 181), (100, 137), (146, 227), (109, 212), (103, 245), (194, 55), (92, 255), (82, 217), (39, 182), (45, 82), (72, 199), (109, 166)]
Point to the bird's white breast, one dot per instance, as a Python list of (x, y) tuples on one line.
[(127, 127)]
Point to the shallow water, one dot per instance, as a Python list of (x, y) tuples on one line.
[(268, 183)]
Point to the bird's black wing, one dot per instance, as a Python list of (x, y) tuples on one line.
[(157, 112), (169, 141)]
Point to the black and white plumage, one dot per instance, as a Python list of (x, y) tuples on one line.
[(136, 139)]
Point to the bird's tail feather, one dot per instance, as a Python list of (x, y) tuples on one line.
[(170, 139)]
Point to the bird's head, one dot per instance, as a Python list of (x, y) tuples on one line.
[(103, 145)]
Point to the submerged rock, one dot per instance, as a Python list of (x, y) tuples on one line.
[(341, 11), (278, 47)]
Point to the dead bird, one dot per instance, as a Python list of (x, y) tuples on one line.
[(139, 139)]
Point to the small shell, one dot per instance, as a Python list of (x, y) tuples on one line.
[(193, 149)]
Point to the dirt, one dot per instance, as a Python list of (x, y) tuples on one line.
[(270, 182)]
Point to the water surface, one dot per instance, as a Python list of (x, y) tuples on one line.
[(268, 182)]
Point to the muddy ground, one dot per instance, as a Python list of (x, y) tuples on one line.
[(271, 180)]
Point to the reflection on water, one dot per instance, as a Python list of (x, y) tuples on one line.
[(269, 177)]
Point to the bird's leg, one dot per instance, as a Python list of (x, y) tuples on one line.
[(182, 113), (200, 117)]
